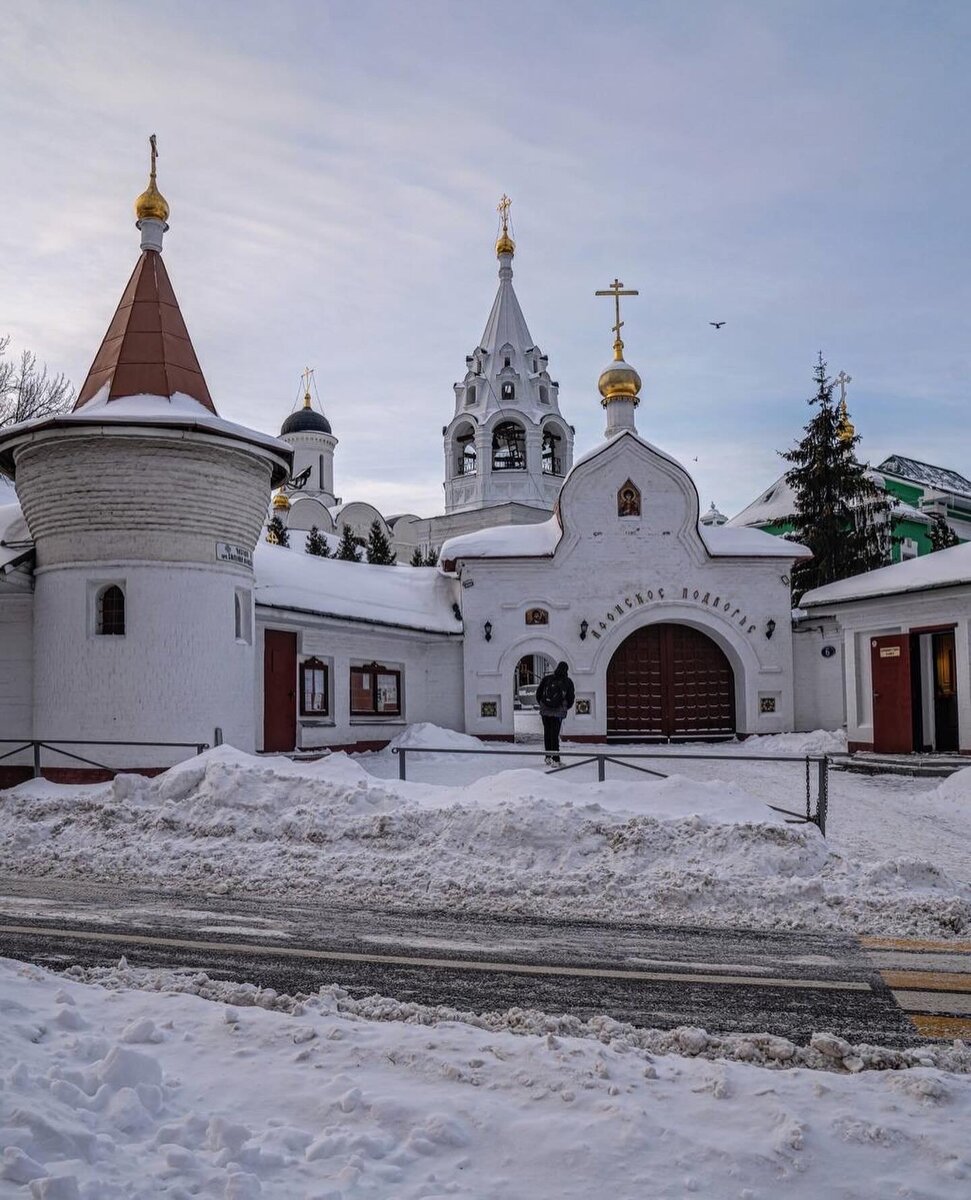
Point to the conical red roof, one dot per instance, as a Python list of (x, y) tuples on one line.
[(146, 350)]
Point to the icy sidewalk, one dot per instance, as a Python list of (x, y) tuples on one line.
[(134, 1095), (519, 842)]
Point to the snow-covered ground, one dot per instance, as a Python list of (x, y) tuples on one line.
[(134, 1088), (699, 847)]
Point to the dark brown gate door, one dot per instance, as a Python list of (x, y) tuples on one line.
[(893, 721), (670, 681), (279, 690)]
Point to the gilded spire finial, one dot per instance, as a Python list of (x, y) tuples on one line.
[(617, 290), (307, 378), (619, 380), (151, 205), (845, 429), (504, 243)]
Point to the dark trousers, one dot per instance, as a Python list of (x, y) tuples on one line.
[(551, 735)]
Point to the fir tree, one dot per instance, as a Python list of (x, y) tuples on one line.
[(277, 533), (431, 558), (841, 515), (378, 547), (941, 534), (317, 543), (348, 550), (417, 559)]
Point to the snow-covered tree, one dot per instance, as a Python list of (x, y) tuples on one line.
[(26, 389), (841, 515), (317, 544), (941, 534), (417, 559), (277, 533), (378, 547), (431, 558), (349, 549)]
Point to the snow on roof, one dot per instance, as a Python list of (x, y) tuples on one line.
[(914, 471), (539, 541), (776, 503), (943, 568), (405, 597), (178, 411)]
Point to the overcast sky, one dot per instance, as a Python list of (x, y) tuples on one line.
[(798, 170)]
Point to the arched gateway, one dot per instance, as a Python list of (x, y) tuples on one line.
[(669, 680)]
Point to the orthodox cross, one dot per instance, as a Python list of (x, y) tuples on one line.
[(843, 379), (617, 290), (154, 145), (503, 210), (306, 377)]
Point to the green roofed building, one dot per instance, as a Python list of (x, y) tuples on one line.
[(922, 492)]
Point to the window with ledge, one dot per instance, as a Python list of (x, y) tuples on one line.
[(470, 394), (314, 688), (508, 391), (544, 394), (375, 691), (509, 447), (110, 611)]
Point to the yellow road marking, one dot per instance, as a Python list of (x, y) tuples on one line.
[(451, 964), (928, 981), (942, 1027)]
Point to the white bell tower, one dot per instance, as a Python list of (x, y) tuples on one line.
[(507, 442)]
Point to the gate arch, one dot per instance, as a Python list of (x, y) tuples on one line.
[(670, 680)]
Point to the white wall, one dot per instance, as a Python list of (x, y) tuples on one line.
[(431, 666), (818, 681), (16, 665)]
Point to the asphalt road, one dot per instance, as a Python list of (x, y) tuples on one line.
[(726, 980)]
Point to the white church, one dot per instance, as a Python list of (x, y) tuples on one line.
[(121, 623)]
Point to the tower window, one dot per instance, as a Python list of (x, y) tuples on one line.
[(506, 362), (111, 611), (544, 394), (509, 447), (552, 463), (321, 473), (243, 612), (508, 391), (470, 394), (535, 366)]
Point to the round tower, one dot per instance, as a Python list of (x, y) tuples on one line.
[(507, 441), (145, 507), (307, 431)]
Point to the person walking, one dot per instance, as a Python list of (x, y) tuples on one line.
[(555, 696)]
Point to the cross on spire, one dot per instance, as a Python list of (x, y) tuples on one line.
[(843, 379), (307, 378), (617, 290), (502, 208), (154, 151)]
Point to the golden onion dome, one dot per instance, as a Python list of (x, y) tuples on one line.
[(151, 205), (281, 501), (845, 429), (619, 379), (505, 244)]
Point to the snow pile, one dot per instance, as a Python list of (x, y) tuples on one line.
[(955, 788), (820, 741), (425, 735), (518, 842), (131, 1095)]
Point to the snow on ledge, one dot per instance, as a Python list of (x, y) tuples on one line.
[(943, 568)]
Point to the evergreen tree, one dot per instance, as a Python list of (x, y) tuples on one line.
[(417, 559), (317, 544), (378, 547), (841, 515), (277, 533), (348, 550), (941, 534), (431, 558)]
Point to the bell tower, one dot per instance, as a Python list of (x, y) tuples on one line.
[(507, 441)]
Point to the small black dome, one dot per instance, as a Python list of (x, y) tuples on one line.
[(305, 420)]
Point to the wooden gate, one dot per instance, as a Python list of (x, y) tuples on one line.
[(279, 690), (893, 712), (670, 680)]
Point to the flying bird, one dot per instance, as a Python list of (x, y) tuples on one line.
[(717, 324)]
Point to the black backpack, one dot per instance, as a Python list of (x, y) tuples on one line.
[(552, 693)]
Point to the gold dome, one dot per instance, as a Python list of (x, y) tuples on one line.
[(845, 429), (505, 244), (619, 379), (281, 502), (151, 205)]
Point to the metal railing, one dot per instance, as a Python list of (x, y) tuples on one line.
[(816, 806), (36, 745)]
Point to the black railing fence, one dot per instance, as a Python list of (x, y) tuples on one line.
[(816, 794), (37, 746)]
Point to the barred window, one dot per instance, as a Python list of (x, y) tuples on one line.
[(111, 611)]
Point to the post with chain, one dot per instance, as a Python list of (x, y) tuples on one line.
[(823, 801), (402, 754), (37, 760)]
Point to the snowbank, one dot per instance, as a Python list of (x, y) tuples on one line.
[(820, 741), (956, 788), (518, 842), (425, 735), (133, 1094)]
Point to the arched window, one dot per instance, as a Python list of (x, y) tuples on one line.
[(508, 391), (552, 463), (629, 500), (470, 394), (111, 610), (465, 457), (509, 447), (544, 394)]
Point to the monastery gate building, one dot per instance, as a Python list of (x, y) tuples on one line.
[(673, 628)]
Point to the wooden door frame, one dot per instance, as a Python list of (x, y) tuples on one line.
[(269, 634)]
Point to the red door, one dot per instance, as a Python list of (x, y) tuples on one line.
[(279, 690), (670, 680), (893, 722)]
